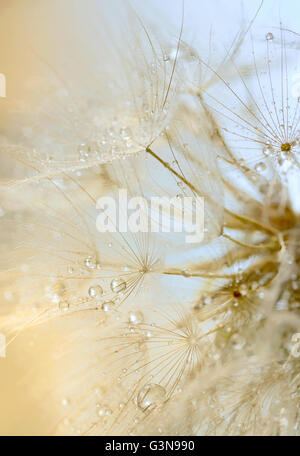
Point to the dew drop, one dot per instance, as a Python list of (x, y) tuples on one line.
[(150, 396), (267, 151), (83, 152), (101, 412), (90, 262), (260, 167), (136, 317), (95, 292), (65, 402), (117, 285), (269, 36), (125, 133), (186, 273), (107, 306)]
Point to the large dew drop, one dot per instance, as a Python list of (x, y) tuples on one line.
[(136, 317), (117, 285), (150, 397)]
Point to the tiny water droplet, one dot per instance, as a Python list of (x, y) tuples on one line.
[(260, 167), (117, 285), (186, 273), (107, 306), (65, 402), (269, 36), (101, 412), (90, 262), (125, 132), (95, 292)]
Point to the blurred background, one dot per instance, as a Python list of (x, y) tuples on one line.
[(72, 42)]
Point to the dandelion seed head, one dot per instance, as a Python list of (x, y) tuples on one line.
[(149, 334), (286, 147)]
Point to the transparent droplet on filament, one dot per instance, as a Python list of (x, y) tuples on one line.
[(117, 285), (150, 397), (136, 317), (96, 291)]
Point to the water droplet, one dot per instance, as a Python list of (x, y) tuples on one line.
[(83, 151), (186, 273), (150, 396), (269, 36), (117, 285), (90, 262), (260, 167), (65, 402), (267, 151), (125, 132), (95, 292), (136, 317), (107, 306)]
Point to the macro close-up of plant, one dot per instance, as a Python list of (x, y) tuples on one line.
[(150, 218)]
